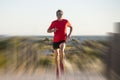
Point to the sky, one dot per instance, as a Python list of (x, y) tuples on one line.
[(33, 17)]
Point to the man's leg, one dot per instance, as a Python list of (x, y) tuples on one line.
[(62, 48), (56, 51)]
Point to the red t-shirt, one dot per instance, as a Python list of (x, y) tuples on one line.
[(61, 32)]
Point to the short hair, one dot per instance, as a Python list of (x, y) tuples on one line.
[(59, 11)]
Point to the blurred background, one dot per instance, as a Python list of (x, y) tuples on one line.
[(34, 55)]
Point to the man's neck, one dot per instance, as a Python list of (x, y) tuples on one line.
[(59, 19)]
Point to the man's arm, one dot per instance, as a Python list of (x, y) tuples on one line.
[(51, 30), (71, 29)]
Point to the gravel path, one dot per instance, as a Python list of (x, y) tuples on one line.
[(50, 75)]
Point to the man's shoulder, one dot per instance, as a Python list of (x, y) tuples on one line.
[(65, 19)]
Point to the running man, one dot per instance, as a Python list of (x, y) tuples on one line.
[(59, 27)]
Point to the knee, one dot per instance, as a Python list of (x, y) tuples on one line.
[(56, 54), (62, 47)]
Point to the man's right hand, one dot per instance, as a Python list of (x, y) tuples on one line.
[(52, 30)]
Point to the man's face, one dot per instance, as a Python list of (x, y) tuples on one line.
[(59, 14)]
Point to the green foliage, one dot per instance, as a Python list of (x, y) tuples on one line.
[(3, 44), (45, 61), (3, 60), (81, 54)]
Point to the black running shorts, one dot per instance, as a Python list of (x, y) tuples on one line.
[(57, 44)]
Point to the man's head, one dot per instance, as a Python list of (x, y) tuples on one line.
[(59, 14)]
